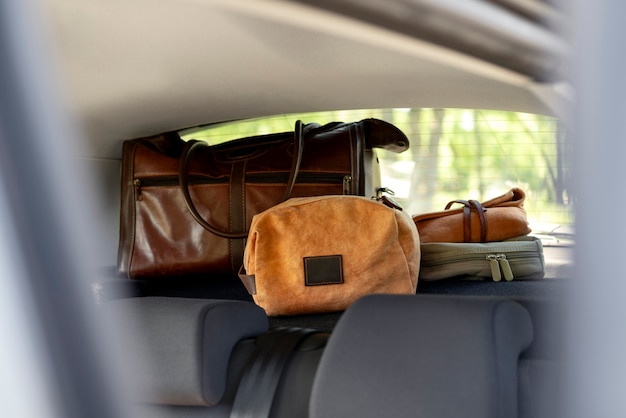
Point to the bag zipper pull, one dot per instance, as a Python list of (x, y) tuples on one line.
[(506, 267), (347, 184), (386, 200), (495, 267), (137, 186)]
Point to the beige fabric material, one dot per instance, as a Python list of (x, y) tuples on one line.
[(379, 247), (523, 256)]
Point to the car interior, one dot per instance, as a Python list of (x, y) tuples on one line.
[(483, 91)]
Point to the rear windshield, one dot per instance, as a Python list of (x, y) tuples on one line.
[(455, 154)]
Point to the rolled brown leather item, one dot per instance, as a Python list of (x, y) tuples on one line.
[(497, 219)]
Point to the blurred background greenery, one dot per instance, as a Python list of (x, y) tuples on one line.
[(454, 154)]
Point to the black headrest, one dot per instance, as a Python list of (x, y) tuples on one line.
[(423, 356)]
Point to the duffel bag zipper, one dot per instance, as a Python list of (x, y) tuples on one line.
[(498, 262), (324, 178)]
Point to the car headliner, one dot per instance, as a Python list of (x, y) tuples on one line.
[(140, 67)]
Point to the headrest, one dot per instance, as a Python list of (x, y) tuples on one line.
[(180, 348), (424, 355)]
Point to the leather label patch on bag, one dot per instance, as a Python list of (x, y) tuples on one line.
[(323, 270)]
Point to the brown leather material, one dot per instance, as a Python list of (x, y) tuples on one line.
[(367, 247), (380, 132), (228, 184), (237, 184), (497, 219)]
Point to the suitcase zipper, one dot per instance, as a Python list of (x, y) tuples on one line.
[(495, 267), (498, 262), (505, 266)]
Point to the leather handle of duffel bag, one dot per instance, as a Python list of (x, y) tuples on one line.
[(298, 141)]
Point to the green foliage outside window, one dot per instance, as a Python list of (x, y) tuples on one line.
[(454, 154)]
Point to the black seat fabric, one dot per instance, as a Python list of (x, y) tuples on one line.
[(291, 398), (180, 347), (425, 355)]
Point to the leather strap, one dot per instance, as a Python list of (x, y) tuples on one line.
[(481, 216), (191, 146), (258, 385), (470, 206), (248, 280), (237, 210)]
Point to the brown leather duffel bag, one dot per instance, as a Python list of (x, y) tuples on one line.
[(186, 206)]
